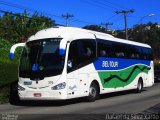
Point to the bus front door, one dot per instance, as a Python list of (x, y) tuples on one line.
[(72, 70), (72, 80)]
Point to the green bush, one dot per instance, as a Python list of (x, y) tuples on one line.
[(8, 68)]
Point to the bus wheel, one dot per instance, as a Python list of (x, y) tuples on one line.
[(139, 86), (93, 92)]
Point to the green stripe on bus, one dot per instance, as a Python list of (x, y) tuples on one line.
[(121, 78)]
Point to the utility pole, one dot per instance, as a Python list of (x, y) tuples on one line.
[(125, 12), (106, 25), (67, 16)]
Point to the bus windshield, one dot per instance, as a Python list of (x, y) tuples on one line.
[(41, 58)]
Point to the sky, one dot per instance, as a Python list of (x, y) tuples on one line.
[(87, 12)]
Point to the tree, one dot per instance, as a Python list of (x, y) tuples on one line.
[(95, 28), (147, 33), (17, 27)]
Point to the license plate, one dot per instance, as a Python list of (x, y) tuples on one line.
[(27, 82), (37, 94)]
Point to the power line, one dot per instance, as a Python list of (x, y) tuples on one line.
[(112, 5), (106, 25), (54, 15), (81, 21), (96, 5), (44, 13), (67, 16), (103, 4), (125, 12), (26, 8), (73, 20), (22, 16), (111, 17), (100, 3), (14, 14), (115, 4)]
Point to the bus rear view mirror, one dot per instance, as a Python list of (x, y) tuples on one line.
[(13, 48)]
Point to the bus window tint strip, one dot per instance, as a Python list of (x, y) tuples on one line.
[(112, 49)]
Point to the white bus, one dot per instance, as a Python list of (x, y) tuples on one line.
[(65, 62)]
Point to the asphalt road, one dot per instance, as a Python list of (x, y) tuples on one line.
[(121, 102)]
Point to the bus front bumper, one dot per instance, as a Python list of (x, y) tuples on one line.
[(42, 95)]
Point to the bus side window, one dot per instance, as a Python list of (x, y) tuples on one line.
[(72, 57), (147, 53), (119, 50), (134, 52), (150, 54), (86, 52), (104, 48), (81, 53)]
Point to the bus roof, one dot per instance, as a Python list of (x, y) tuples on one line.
[(73, 33)]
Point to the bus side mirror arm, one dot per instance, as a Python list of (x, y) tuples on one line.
[(13, 48)]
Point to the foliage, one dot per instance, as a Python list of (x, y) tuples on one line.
[(17, 27), (149, 34), (120, 34), (5, 46), (98, 29), (95, 28), (8, 69)]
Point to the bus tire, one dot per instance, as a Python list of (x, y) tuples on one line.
[(139, 86), (93, 92), (13, 97)]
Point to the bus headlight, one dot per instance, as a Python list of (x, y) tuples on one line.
[(59, 86), (20, 88)]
